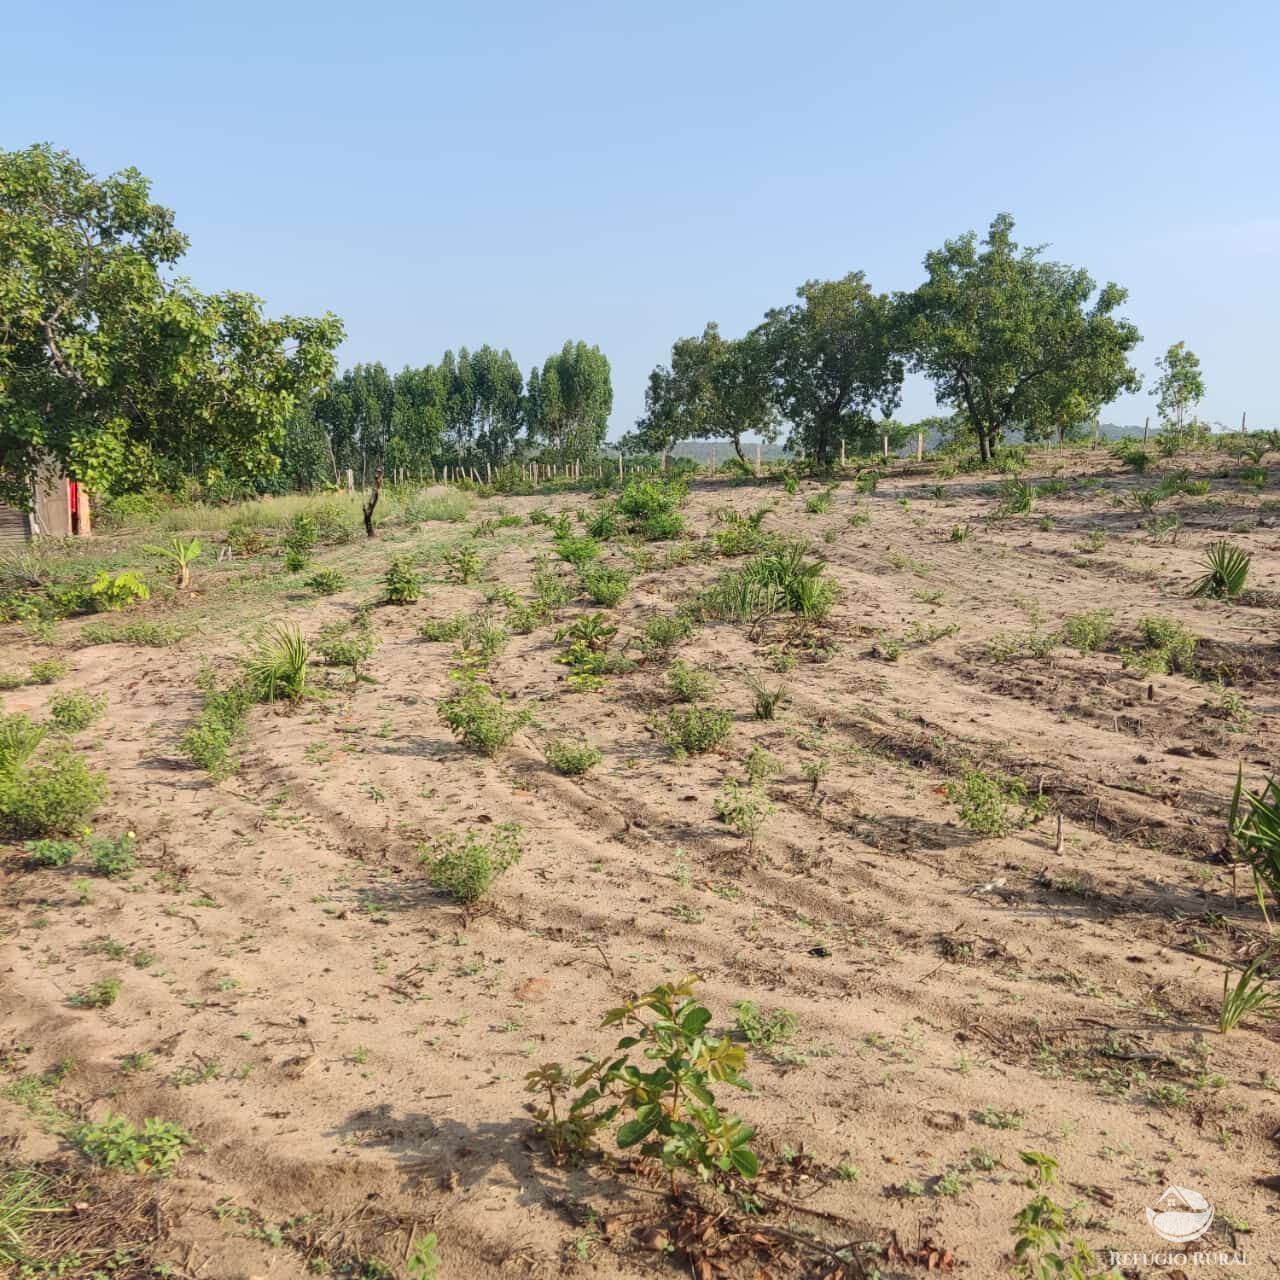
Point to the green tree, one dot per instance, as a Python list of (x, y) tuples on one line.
[(568, 402), (1180, 386), (835, 359), (1010, 339), (715, 389), (113, 369)]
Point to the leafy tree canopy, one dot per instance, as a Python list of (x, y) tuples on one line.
[(1180, 386), (113, 368), (1011, 339), (569, 401), (836, 359)]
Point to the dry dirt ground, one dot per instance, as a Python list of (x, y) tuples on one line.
[(348, 1048)]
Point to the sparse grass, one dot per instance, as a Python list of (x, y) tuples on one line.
[(572, 758), (765, 701), (688, 684), (1251, 995)]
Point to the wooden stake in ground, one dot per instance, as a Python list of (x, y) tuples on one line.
[(842, 457), (620, 472), (884, 444), (919, 446), (1146, 426), (372, 502), (351, 481), (757, 459), (1242, 418)]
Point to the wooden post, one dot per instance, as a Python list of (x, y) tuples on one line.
[(1096, 424), (533, 466), (757, 459), (1242, 417), (351, 481), (842, 454), (664, 459), (713, 459), (884, 444), (1146, 426), (488, 474), (621, 474), (919, 446)]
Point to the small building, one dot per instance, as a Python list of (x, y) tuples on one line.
[(60, 509)]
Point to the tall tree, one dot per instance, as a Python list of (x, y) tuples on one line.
[(715, 388), (111, 368), (569, 402), (1180, 386), (835, 360), (1011, 339), (483, 404)]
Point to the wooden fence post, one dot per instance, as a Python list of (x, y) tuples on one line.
[(351, 481), (919, 446), (1146, 426), (842, 454), (1242, 417), (884, 445), (757, 459), (620, 471)]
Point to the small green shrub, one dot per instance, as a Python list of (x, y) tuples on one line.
[(51, 853), (572, 758), (75, 709), (401, 581), (765, 1029), (745, 808), (114, 857), (111, 593), (817, 504), (348, 644), (1226, 569), (462, 564), (326, 582), (766, 701), (296, 561), (688, 684), (465, 866), (1016, 497), (661, 633), (1087, 632), (694, 729), (984, 801), (52, 795), (148, 635), (578, 551), (479, 718), (245, 539), (97, 995), (209, 742), (606, 586), (47, 671), (155, 1148), (182, 555), (445, 630)]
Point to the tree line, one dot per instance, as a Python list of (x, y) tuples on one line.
[(130, 378)]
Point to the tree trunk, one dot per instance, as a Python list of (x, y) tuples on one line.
[(737, 448), (372, 502), (984, 444)]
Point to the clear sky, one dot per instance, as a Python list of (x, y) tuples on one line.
[(523, 173)]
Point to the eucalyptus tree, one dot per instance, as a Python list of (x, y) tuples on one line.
[(568, 402), (1180, 385)]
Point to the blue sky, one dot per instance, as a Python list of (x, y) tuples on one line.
[(520, 174)]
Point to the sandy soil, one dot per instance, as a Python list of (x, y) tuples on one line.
[(345, 1043)]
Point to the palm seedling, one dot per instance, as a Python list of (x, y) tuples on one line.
[(766, 701), (1250, 995), (1254, 823), (276, 667), (182, 555), (1227, 567)]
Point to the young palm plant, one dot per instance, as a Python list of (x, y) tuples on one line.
[(276, 667), (182, 554), (1250, 995), (1255, 826), (1227, 567)]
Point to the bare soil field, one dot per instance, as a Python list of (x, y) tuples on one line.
[(348, 1047)]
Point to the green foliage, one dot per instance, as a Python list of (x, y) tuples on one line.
[(209, 742), (112, 363), (114, 857), (51, 853), (664, 1106), (984, 801), (326, 582), (1180, 386), (302, 535), (779, 580), (479, 718), (766, 701), (295, 561), (568, 402), (75, 710), (1250, 995), (275, 668), (1008, 337), (1088, 631), (1042, 1249), (572, 758), (661, 633), (462, 564), (1254, 824), (147, 635), (349, 645), (465, 866), (155, 1148), (47, 671), (110, 593), (688, 684), (48, 795), (401, 581), (744, 808), (1167, 646), (1016, 497), (817, 504), (578, 551), (97, 995), (245, 539), (694, 729), (181, 554), (424, 1258), (765, 1029), (606, 586), (550, 589), (1226, 569), (960, 533)]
